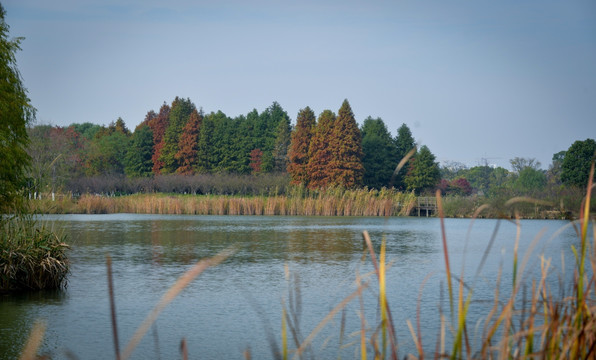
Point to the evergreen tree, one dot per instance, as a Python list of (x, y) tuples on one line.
[(241, 144), (138, 157), (266, 133), (107, 154), (120, 126), (320, 155), (206, 161), (346, 148), (158, 125), (379, 151), (299, 145), (423, 172), (281, 145), (187, 153), (404, 142), (15, 114), (179, 114), (222, 153), (215, 150), (575, 168)]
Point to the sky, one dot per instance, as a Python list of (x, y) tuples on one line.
[(475, 81)]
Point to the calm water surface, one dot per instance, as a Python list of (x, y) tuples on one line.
[(238, 304)]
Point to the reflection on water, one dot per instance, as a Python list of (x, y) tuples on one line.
[(217, 312)]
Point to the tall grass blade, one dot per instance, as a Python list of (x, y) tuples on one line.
[(112, 306), (362, 321), (445, 251), (391, 327), (170, 295), (34, 341), (585, 219), (401, 164), (184, 349), (383, 299), (284, 334)]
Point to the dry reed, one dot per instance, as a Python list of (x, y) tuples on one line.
[(330, 202)]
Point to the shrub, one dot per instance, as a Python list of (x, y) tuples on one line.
[(31, 256)]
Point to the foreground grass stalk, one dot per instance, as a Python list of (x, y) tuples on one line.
[(445, 251), (362, 320), (284, 334), (383, 299), (113, 306), (584, 219), (391, 327), (34, 341)]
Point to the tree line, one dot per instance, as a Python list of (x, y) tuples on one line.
[(317, 152)]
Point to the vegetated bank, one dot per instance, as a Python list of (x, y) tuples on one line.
[(330, 202)]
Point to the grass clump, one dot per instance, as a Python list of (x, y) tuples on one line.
[(31, 256)]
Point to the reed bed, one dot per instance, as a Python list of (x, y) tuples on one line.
[(330, 202), (31, 256)]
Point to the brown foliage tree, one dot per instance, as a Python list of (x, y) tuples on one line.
[(320, 155), (158, 125), (346, 168), (300, 142), (256, 160), (187, 146)]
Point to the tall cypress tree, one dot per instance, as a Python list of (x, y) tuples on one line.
[(179, 114), (346, 146), (138, 158), (379, 151), (158, 125), (222, 153), (423, 171), (299, 145), (187, 147), (320, 155), (281, 145), (205, 146)]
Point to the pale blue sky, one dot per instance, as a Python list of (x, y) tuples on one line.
[(473, 80)]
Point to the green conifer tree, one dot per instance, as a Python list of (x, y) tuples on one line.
[(379, 154), (423, 172), (281, 145), (138, 158)]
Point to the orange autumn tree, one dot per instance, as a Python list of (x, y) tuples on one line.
[(319, 153), (299, 145), (346, 169), (187, 146), (158, 125)]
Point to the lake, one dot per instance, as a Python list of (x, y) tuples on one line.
[(237, 305)]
